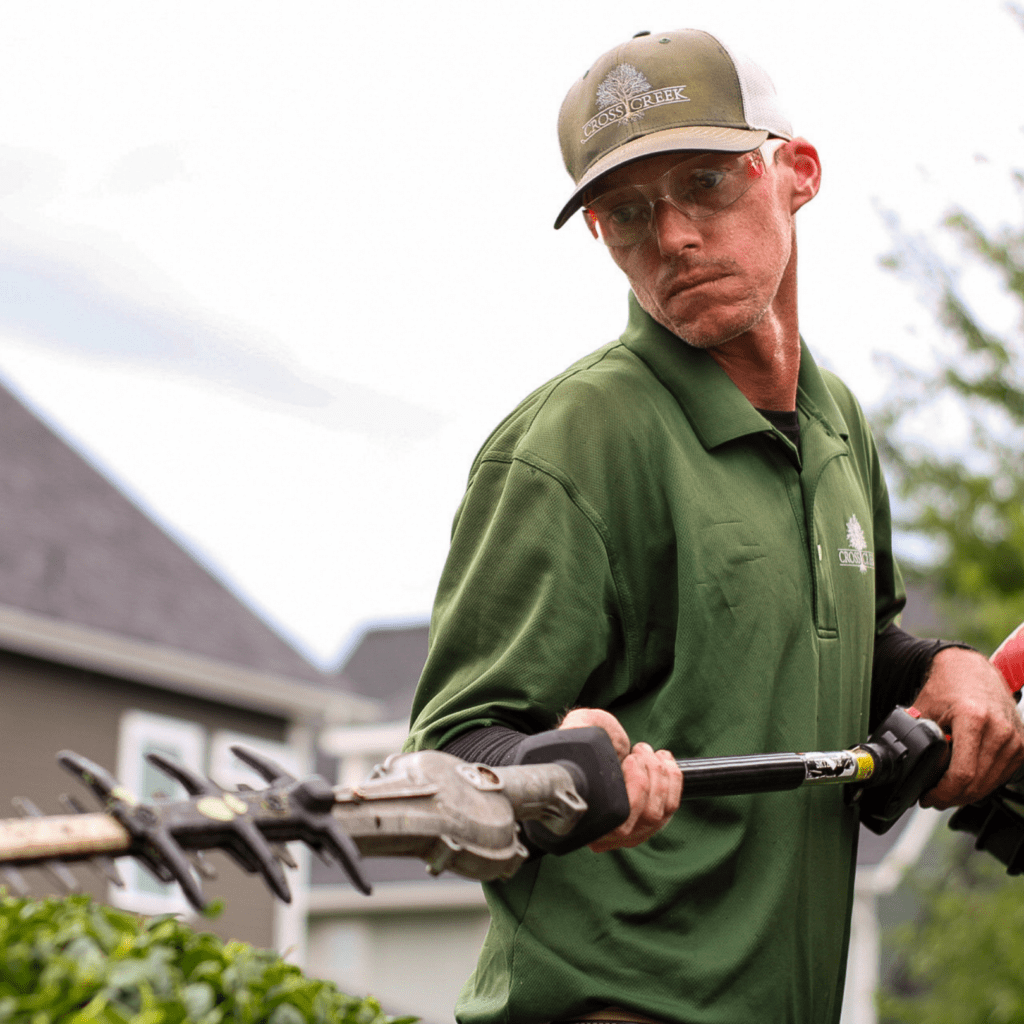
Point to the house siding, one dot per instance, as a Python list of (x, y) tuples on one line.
[(46, 707)]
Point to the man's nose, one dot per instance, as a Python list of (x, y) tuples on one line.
[(673, 230)]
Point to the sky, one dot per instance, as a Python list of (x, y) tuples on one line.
[(278, 269)]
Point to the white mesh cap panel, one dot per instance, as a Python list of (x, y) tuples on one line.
[(760, 101)]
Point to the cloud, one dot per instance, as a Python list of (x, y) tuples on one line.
[(28, 173), (145, 168), (61, 306)]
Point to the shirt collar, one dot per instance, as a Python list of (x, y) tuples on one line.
[(717, 410)]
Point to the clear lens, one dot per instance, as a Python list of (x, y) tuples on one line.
[(698, 187)]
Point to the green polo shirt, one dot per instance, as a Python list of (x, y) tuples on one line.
[(636, 536)]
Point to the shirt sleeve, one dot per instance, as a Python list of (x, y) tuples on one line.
[(526, 623), (900, 668), (495, 746)]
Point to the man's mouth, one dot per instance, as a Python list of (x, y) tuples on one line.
[(690, 282)]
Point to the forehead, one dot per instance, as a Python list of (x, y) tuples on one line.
[(650, 168)]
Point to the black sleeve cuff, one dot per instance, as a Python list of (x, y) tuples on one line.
[(900, 668), (494, 745)]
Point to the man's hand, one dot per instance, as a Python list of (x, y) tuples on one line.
[(654, 782), (970, 700)]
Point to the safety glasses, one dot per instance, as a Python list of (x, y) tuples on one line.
[(698, 187)]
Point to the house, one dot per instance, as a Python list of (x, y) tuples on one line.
[(114, 641)]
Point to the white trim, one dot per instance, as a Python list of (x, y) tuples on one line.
[(359, 748), (871, 881), (862, 963), (99, 650), (344, 740), (389, 897), (885, 876)]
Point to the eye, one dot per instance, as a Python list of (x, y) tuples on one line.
[(628, 213), (706, 180)]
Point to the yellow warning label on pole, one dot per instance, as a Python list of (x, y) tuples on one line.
[(865, 766)]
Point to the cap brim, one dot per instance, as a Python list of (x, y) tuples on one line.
[(725, 140)]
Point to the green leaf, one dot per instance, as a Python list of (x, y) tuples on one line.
[(74, 961), (213, 909), (198, 998), (286, 1013)]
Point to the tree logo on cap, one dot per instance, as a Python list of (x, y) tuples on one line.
[(620, 85), (625, 95)]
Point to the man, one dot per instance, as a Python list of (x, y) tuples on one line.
[(685, 539)]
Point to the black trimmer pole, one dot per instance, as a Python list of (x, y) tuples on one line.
[(769, 773), (888, 773)]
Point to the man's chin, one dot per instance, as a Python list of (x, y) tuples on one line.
[(694, 333), (703, 331)]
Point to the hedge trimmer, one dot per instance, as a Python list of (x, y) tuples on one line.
[(477, 821)]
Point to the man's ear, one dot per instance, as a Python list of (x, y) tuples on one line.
[(802, 158)]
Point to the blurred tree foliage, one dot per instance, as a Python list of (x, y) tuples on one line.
[(959, 962), (964, 497)]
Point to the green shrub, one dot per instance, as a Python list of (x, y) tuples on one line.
[(74, 961)]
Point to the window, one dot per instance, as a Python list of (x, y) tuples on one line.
[(142, 733), (187, 742)]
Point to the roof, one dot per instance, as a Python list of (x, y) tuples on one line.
[(168, 668), (73, 548), (385, 664)]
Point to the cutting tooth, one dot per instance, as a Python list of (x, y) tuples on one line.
[(202, 865), (282, 853), (15, 879), (61, 875)]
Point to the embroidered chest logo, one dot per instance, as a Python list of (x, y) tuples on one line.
[(625, 95), (857, 553)]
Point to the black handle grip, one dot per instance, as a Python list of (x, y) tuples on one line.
[(591, 759), (911, 755)]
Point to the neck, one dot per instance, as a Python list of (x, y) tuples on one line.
[(765, 368), (764, 361)]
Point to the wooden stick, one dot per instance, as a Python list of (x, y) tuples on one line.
[(62, 837)]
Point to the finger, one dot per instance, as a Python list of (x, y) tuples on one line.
[(666, 786), (580, 718), (653, 806), (992, 749), (653, 811), (675, 779), (637, 780), (1001, 753), (967, 696), (963, 765)]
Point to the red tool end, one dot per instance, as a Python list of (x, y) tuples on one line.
[(1009, 659)]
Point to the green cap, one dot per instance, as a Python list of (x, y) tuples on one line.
[(682, 90)]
